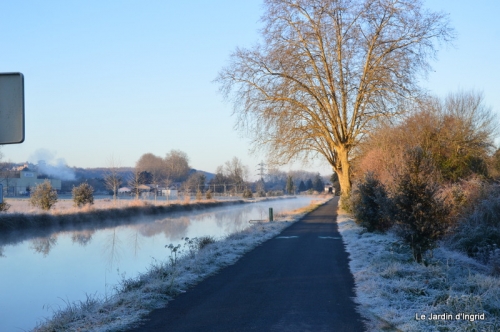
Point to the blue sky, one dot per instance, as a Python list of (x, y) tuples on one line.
[(123, 78)]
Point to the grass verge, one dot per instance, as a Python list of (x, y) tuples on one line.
[(452, 291)]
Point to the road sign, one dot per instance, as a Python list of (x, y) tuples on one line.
[(11, 108)]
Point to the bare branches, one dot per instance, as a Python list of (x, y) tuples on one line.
[(327, 70)]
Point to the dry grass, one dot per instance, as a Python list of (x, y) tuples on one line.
[(66, 206)]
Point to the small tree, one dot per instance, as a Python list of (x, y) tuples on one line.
[(318, 184), (83, 194), (4, 206), (112, 179), (43, 196), (421, 215), (302, 186), (371, 204), (135, 182), (208, 194), (199, 195), (247, 193)]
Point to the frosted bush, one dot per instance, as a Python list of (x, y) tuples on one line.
[(371, 204), (83, 194), (43, 196)]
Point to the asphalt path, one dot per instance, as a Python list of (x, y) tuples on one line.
[(296, 281)]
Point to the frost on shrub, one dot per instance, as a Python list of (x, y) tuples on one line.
[(247, 193), (4, 206), (371, 205), (43, 196), (478, 234), (208, 194), (83, 194), (421, 216), (199, 195), (464, 195)]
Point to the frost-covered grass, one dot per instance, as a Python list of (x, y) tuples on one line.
[(393, 291), (66, 205), (186, 266)]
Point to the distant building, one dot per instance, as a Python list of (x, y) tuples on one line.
[(18, 183), (170, 193), (124, 190)]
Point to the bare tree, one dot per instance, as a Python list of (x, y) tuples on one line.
[(176, 166), (327, 69), (155, 166), (112, 179), (136, 181), (196, 182), (237, 173)]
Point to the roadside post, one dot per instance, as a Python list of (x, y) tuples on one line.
[(270, 214)]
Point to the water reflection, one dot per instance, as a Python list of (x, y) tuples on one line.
[(112, 249), (173, 227), (43, 245), (82, 237)]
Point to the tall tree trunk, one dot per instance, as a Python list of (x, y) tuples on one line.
[(344, 172)]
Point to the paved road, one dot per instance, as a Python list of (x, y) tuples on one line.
[(297, 281)]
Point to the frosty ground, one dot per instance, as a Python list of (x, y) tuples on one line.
[(451, 292), (66, 205)]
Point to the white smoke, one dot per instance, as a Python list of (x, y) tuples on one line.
[(50, 165)]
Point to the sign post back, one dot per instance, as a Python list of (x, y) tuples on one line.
[(11, 108)]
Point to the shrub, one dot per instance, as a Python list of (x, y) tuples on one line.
[(4, 206), (208, 194), (371, 205), (347, 201), (43, 196), (420, 214), (275, 193), (83, 194), (204, 241), (247, 193), (199, 195), (464, 195), (478, 233)]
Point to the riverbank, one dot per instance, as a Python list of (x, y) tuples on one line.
[(136, 296)]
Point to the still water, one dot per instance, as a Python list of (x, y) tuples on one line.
[(42, 272)]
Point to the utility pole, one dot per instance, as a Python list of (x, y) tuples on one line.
[(261, 170), (261, 187)]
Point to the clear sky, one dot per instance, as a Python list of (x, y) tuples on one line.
[(123, 78)]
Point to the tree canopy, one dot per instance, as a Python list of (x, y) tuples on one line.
[(326, 69)]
